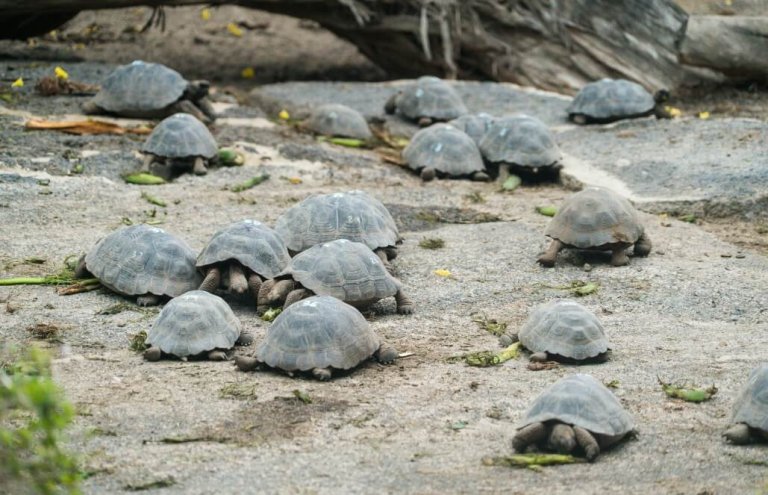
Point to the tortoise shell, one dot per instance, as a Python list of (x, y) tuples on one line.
[(140, 87), (335, 119), (430, 97), (318, 332), (520, 140), (565, 328), (195, 322), (251, 243), (475, 125), (181, 135), (444, 148), (611, 99), (751, 407)]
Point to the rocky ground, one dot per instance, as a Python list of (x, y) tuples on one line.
[(693, 311)]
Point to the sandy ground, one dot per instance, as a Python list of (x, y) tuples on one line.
[(693, 311)]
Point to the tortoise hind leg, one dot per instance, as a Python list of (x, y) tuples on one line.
[(246, 363), (217, 355), (262, 296), (296, 296), (147, 162), (383, 256), (148, 300), (529, 435), (480, 176), (153, 354), (619, 256), (212, 280), (254, 286), (198, 167), (404, 304), (322, 374), (550, 255), (643, 245), (587, 442), (738, 434), (427, 174)]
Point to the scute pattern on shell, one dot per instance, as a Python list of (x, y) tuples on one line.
[(612, 99), (565, 328), (140, 260), (751, 407), (475, 125), (444, 148), (334, 119), (181, 135), (318, 332), (346, 270), (430, 97), (580, 400), (353, 215), (593, 217), (194, 322), (253, 244), (140, 87), (520, 140)]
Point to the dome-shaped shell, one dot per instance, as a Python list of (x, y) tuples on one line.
[(140, 87), (582, 401), (430, 97), (609, 99), (752, 405), (318, 332), (520, 140), (194, 322), (444, 148), (353, 215), (335, 119), (181, 135), (346, 270), (141, 259), (593, 217), (251, 243), (475, 125), (565, 328)]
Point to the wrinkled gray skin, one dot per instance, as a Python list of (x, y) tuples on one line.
[(426, 101), (347, 270), (443, 150), (339, 120), (180, 141), (195, 324), (318, 335), (576, 413), (142, 261), (150, 91), (750, 411), (596, 219), (609, 100)]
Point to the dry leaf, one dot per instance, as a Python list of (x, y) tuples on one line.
[(442, 273), (82, 127), (49, 86)]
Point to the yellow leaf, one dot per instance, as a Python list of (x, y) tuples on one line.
[(284, 115), (234, 29), (18, 83), (247, 73), (442, 273), (703, 115), (61, 73), (674, 112), (205, 14), (295, 180)]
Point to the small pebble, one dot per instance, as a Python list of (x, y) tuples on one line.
[(587, 267)]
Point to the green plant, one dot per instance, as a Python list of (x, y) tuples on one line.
[(33, 416)]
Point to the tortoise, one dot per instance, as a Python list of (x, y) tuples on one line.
[(428, 100), (147, 90), (347, 270), (181, 141), (609, 100), (196, 323), (596, 218), (334, 119), (352, 215), (142, 261), (522, 143), (475, 125), (444, 150), (241, 256), (564, 330), (318, 334), (750, 413), (577, 411)]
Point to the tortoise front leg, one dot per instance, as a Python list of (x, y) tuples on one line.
[(186, 106), (391, 104), (382, 254), (480, 176), (147, 162), (738, 434), (237, 281), (386, 354), (198, 167), (296, 296), (246, 363), (529, 435), (212, 279), (424, 122), (254, 286), (619, 257), (404, 304), (153, 354), (262, 297), (217, 355), (562, 439), (539, 357), (587, 442), (427, 174), (205, 106), (245, 338), (550, 255), (643, 245), (322, 374), (148, 300), (279, 292)]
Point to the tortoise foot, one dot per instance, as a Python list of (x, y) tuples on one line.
[(245, 363), (153, 354), (217, 355), (322, 374)]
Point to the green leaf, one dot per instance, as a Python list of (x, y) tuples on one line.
[(512, 183)]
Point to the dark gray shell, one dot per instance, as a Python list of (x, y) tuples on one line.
[(475, 125), (752, 405), (181, 135), (318, 332), (346, 270), (194, 322), (140, 260), (353, 215), (253, 244), (593, 217), (335, 119), (520, 140), (580, 400), (609, 99), (565, 328), (140, 87), (430, 97), (444, 148)]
